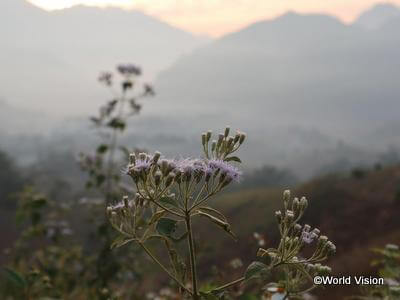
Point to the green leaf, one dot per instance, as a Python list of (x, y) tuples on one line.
[(212, 210), (222, 224), (157, 216), (15, 277), (120, 241), (166, 226), (255, 269), (233, 158), (168, 202)]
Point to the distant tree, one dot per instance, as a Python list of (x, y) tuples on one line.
[(10, 181)]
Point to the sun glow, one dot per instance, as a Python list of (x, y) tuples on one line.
[(217, 17)]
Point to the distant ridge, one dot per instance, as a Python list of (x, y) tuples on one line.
[(378, 15)]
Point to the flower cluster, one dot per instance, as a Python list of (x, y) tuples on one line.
[(294, 237), (150, 172), (224, 146)]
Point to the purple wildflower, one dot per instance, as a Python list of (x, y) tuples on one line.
[(189, 165), (129, 69), (308, 237), (142, 165), (225, 168)]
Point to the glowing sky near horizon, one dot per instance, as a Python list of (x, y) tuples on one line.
[(217, 17)]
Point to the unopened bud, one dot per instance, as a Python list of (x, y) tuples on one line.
[(296, 206), (289, 216), (306, 228), (157, 178), (156, 156), (278, 215), (286, 197), (208, 136), (203, 139), (237, 138), (170, 179), (303, 203), (227, 129), (213, 145), (142, 156), (132, 159), (296, 229), (242, 138)]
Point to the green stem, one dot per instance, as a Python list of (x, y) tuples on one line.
[(228, 285), (147, 250), (192, 257)]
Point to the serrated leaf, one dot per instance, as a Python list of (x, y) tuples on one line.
[(168, 202), (166, 226), (15, 277), (233, 158), (255, 269), (120, 241)]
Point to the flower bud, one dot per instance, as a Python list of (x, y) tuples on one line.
[(109, 211), (203, 139), (156, 156), (208, 136), (132, 159), (296, 206), (227, 129), (157, 178), (303, 204), (237, 138), (213, 145), (316, 231), (289, 216), (278, 215), (229, 143), (142, 156), (306, 228), (296, 229), (242, 138), (170, 179), (286, 197)]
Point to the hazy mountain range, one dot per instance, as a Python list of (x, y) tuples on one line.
[(51, 60), (307, 88)]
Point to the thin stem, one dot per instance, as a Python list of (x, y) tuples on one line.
[(192, 257), (228, 285), (147, 250)]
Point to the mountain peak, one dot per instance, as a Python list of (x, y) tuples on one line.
[(378, 15)]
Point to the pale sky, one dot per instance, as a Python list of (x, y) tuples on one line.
[(217, 17)]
